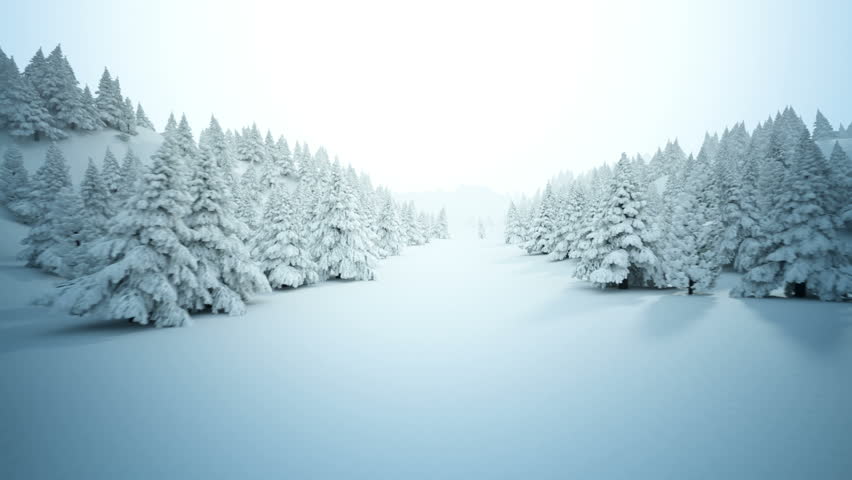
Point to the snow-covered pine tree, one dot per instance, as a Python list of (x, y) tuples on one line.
[(689, 258), (150, 273), (92, 116), (596, 195), (131, 171), (279, 165), (14, 179), (249, 199), (187, 148), (112, 177), (567, 232), (369, 210), (280, 247), (751, 199), (227, 275), (287, 164), (822, 128), (512, 233), (297, 160), (15, 185), (390, 238), (129, 120), (342, 246), (60, 230), (559, 210), (251, 148), (22, 112), (623, 242), (48, 181), (36, 73), (96, 211), (543, 225), (480, 229), (443, 226), (142, 119), (423, 227), (840, 164), (62, 95), (109, 102), (801, 251), (217, 141), (728, 167), (709, 149)]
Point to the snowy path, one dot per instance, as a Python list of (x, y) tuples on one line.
[(466, 360)]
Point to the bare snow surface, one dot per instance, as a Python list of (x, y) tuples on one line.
[(465, 360)]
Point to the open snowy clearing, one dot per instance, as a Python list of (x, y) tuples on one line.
[(466, 360)]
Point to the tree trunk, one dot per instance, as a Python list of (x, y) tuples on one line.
[(691, 288), (623, 285), (800, 290)]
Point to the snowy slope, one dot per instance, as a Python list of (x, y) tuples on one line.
[(466, 360), (78, 147)]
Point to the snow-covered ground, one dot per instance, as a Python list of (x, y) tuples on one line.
[(465, 360)]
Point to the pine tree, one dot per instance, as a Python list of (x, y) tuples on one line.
[(287, 164), (112, 177), (801, 251), (15, 185), (36, 73), (251, 148), (423, 227), (217, 141), (14, 179), (513, 232), (280, 246), (689, 258), (48, 181), (227, 275), (566, 235), (22, 112), (109, 102), (249, 198), (623, 241), (279, 165), (480, 229), (142, 119), (91, 117), (728, 167), (184, 141), (61, 94), (131, 172), (390, 239), (750, 220), (96, 211), (59, 250), (543, 225), (150, 274), (841, 165), (443, 226), (129, 117), (822, 128), (342, 246)]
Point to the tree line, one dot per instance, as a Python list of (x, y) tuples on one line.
[(766, 203), (153, 242)]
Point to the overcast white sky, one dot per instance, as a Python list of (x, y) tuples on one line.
[(433, 95)]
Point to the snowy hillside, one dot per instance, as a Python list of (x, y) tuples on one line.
[(79, 147)]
